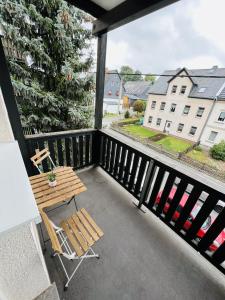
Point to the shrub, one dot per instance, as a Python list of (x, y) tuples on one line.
[(127, 115), (139, 106), (218, 151), (198, 148)]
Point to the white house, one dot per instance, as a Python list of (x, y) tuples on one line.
[(181, 103)]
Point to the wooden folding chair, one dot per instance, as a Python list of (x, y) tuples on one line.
[(39, 157), (73, 239)]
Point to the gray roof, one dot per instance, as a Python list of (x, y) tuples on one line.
[(212, 85), (137, 89)]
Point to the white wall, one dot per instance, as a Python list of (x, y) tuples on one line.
[(112, 108), (178, 117), (214, 125), (23, 273)]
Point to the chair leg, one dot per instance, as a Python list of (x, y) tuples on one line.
[(86, 255)]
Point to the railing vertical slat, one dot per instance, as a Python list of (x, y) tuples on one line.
[(166, 192), (133, 171), (205, 211), (181, 188), (52, 150), (192, 199), (68, 151), (127, 168), (212, 233), (157, 184), (75, 152), (81, 151), (60, 152), (87, 149), (111, 167), (140, 174)]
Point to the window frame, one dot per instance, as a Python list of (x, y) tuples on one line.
[(178, 127), (194, 129), (181, 89), (188, 110), (151, 119), (164, 105), (212, 131), (172, 107), (174, 89), (200, 107), (159, 121), (153, 104), (221, 121)]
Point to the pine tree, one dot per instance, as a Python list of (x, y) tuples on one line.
[(47, 43)]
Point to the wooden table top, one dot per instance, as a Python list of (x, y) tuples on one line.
[(68, 185)]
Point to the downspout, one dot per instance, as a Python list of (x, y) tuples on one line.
[(209, 115)]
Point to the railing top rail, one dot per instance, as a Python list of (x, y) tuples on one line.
[(59, 133), (194, 176)]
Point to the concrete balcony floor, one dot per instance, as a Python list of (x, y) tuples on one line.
[(141, 258)]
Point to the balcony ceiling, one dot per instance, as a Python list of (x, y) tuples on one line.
[(112, 14)]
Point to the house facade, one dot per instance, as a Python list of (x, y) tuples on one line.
[(113, 93), (214, 131), (182, 105)]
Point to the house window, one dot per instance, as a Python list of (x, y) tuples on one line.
[(162, 106), (117, 93), (158, 122), (153, 104), (212, 136), (183, 89), (221, 116), (186, 109), (180, 127), (202, 90), (110, 93), (200, 112), (193, 130), (150, 119), (174, 89), (173, 107)]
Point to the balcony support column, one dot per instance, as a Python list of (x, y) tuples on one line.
[(100, 79)]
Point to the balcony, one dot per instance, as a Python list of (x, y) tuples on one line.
[(143, 254)]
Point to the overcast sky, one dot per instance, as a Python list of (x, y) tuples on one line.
[(189, 33)]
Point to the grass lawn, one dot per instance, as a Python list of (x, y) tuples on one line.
[(139, 131), (110, 115), (173, 144)]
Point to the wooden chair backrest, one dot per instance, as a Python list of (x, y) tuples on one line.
[(40, 156), (51, 232)]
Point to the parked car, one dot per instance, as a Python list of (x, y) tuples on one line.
[(221, 237)]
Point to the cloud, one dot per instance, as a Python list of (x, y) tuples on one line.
[(172, 37)]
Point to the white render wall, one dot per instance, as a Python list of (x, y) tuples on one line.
[(178, 117), (23, 273), (214, 125)]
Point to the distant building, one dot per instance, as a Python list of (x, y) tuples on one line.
[(113, 93), (191, 108), (214, 131), (135, 90)]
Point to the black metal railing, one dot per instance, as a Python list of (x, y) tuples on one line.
[(169, 193), (69, 148), (183, 202)]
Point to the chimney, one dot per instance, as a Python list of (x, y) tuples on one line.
[(214, 67)]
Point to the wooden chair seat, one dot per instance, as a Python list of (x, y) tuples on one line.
[(82, 231)]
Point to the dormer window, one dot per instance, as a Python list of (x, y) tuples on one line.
[(174, 89), (117, 93), (183, 89), (110, 93)]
